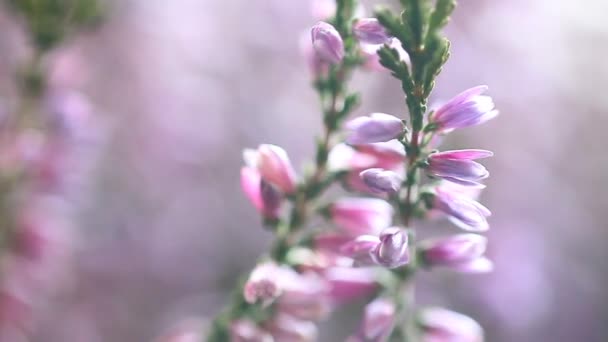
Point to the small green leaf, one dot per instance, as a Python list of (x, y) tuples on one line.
[(441, 14)]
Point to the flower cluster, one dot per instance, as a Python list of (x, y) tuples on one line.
[(367, 247), (43, 141)]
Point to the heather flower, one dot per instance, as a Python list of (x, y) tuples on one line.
[(382, 181), (392, 250), (361, 215), (442, 325), (263, 283), (469, 108), (378, 321), (386, 155), (347, 283), (458, 166), (461, 210), (369, 30), (330, 242), (261, 194), (317, 66), (360, 249), (377, 127), (245, 330), (274, 166), (459, 252), (285, 327), (327, 42), (305, 296)]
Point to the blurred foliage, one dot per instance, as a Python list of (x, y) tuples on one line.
[(49, 21)]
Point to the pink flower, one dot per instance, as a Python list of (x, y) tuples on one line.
[(377, 127), (458, 166), (468, 108), (441, 325), (327, 42), (264, 284), (378, 321), (274, 166), (348, 284), (262, 195), (369, 30), (381, 181), (388, 250), (361, 215), (461, 210), (392, 250), (317, 66), (360, 249), (305, 296), (459, 252)]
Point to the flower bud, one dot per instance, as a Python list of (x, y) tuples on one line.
[(377, 127), (262, 195), (457, 252), (469, 108), (458, 166), (441, 325), (274, 167), (461, 210), (245, 330), (392, 250), (360, 249), (284, 327), (359, 216), (348, 284), (381, 181), (378, 320), (370, 31), (305, 296), (327, 42), (263, 284)]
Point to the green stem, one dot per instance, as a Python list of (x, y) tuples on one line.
[(288, 228)]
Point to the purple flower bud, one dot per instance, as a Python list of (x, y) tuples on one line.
[(458, 252), (381, 181), (458, 166), (461, 210), (469, 108), (348, 283), (377, 127), (369, 30), (378, 320), (441, 325), (392, 250), (263, 284), (327, 42), (262, 195), (271, 196), (359, 216), (360, 249), (274, 166)]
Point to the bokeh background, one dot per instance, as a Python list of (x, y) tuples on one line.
[(181, 87)]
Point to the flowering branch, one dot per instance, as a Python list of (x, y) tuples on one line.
[(307, 274), (37, 138)]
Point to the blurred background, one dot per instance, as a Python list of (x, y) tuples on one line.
[(180, 87)]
